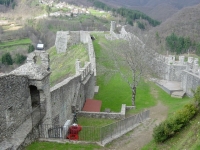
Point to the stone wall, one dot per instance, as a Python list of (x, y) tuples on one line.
[(15, 103), (92, 57), (61, 41), (120, 115), (62, 96), (174, 72), (73, 38), (31, 137), (189, 81)]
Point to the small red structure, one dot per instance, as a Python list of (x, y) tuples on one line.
[(73, 132), (92, 105)]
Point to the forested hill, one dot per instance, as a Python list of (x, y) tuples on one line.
[(7, 3), (129, 14), (157, 9), (181, 27)]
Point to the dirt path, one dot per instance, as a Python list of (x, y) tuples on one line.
[(141, 135)]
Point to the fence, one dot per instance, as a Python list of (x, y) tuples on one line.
[(115, 130), (96, 134)]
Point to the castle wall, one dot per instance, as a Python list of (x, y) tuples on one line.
[(174, 72), (61, 41), (15, 103), (72, 91), (62, 96), (189, 81), (73, 38)]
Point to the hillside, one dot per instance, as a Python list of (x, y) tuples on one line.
[(184, 23), (157, 9)]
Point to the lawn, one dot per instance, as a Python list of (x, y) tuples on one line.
[(114, 90), (59, 146), (15, 43)]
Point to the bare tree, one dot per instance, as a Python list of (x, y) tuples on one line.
[(133, 60)]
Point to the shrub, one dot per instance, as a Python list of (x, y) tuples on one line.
[(6, 59), (19, 59), (169, 127), (31, 48)]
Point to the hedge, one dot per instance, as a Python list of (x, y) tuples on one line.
[(169, 127)]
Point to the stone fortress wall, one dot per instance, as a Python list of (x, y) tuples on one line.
[(186, 71), (27, 100), (69, 96), (15, 101)]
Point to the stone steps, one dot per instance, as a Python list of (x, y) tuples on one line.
[(178, 94)]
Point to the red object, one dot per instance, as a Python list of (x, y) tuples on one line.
[(73, 130), (92, 105), (73, 136)]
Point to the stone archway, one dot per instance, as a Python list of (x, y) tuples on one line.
[(35, 96)]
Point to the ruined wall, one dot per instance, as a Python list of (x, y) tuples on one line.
[(15, 103)]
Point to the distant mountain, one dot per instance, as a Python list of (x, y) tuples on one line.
[(157, 9)]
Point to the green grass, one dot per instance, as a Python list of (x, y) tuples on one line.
[(14, 48), (59, 146), (100, 13), (83, 121), (15, 43), (114, 90), (63, 64), (172, 103)]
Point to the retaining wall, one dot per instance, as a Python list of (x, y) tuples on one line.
[(120, 115)]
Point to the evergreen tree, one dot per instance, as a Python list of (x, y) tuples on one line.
[(7, 59)]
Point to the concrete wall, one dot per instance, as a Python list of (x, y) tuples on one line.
[(15, 103)]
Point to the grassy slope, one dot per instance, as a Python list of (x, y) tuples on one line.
[(15, 43), (188, 138), (63, 64)]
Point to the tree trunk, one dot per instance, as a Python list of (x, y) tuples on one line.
[(133, 95)]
